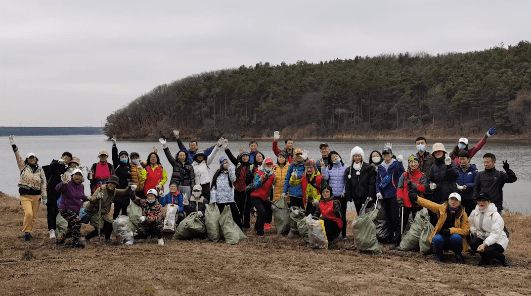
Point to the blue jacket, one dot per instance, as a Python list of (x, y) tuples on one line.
[(467, 178), (387, 180), (335, 178), (294, 191), (191, 154), (178, 200)]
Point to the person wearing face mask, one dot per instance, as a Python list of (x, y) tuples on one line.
[(462, 144), (262, 184), (334, 176), (222, 189), (151, 221), (53, 173), (424, 157), (465, 181), (375, 159), (73, 164), (452, 227), (486, 231), (312, 183), (183, 171), (389, 172), (138, 173), (442, 177), (197, 201), (122, 169), (201, 165), (100, 171), (416, 178), (360, 180), (72, 197), (31, 187)]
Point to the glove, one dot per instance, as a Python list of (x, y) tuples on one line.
[(276, 135), (176, 134), (12, 140), (388, 145), (200, 214), (142, 219), (283, 195), (505, 165), (163, 142), (315, 203), (379, 196), (61, 161), (64, 178), (433, 186), (412, 185), (400, 202), (413, 196), (491, 132), (400, 158), (133, 187), (447, 160), (113, 140), (370, 198), (445, 232), (44, 199), (220, 142), (225, 144), (294, 174)]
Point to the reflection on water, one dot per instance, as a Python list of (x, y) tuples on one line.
[(517, 196)]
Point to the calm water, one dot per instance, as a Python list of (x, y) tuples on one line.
[(517, 196)]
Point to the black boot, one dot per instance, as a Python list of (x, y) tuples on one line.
[(459, 258)]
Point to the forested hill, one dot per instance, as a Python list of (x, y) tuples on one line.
[(403, 94)]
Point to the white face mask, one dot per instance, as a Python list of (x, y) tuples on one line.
[(196, 193), (338, 160), (376, 159), (357, 166), (136, 161), (421, 147)]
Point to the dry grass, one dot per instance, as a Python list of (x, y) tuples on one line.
[(272, 265)]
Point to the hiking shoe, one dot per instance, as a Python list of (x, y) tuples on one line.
[(160, 241), (459, 258), (27, 236), (51, 232), (267, 226), (505, 263), (483, 262), (78, 244)]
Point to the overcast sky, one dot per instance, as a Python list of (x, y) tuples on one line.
[(71, 63)]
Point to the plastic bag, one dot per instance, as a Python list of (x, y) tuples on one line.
[(61, 226), (134, 212), (317, 233), (410, 240), (84, 216), (169, 221), (383, 231), (232, 233), (281, 215), (191, 227), (122, 228), (365, 232), (303, 228), (424, 239), (212, 222), (296, 214)]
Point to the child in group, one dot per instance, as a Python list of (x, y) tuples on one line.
[(151, 221)]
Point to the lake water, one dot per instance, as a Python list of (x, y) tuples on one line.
[(517, 196)]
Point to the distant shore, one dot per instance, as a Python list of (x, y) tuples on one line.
[(49, 131)]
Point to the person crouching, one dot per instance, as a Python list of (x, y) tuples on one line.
[(151, 222), (329, 210)]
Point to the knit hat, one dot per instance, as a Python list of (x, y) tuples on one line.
[(357, 151), (222, 159), (245, 153), (114, 179)]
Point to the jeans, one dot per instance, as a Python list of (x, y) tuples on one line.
[(442, 243)]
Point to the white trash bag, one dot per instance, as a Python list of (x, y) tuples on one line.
[(122, 228), (169, 221)]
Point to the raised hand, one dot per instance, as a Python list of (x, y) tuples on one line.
[(113, 140), (276, 135), (12, 140), (176, 133)]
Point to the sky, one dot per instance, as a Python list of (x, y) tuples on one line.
[(72, 63)]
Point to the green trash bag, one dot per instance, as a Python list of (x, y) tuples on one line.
[(231, 232), (61, 226), (303, 228), (212, 222), (424, 242), (281, 215), (296, 214), (410, 240), (191, 227), (134, 212), (365, 232)]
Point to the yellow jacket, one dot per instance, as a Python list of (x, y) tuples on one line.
[(280, 177), (461, 225)]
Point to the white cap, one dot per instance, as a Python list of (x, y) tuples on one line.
[(30, 155), (463, 140), (154, 192), (76, 171), (456, 195)]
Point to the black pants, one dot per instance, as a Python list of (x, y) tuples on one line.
[(390, 206), (343, 202), (244, 205), (205, 191), (332, 230), (236, 216), (52, 211), (405, 216), (494, 251), (120, 206), (261, 209), (295, 202), (106, 230), (469, 205)]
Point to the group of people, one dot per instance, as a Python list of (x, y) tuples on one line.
[(465, 204)]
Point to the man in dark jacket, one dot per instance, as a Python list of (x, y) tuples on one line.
[(122, 169), (425, 158), (53, 173), (443, 177), (465, 181), (491, 181), (193, 147)]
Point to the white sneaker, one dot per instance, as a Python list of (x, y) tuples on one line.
[(161, 242), (52, 233)]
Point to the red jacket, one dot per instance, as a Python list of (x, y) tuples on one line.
[(327, 210), (416, 177), (262, 185), (277, 151)]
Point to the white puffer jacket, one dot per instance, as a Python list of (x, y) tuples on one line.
[(202, 174), (491, 231)]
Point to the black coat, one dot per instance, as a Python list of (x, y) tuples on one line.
[(358, 188), (53, 173), (121, 170), (183, 174), (491, 182), (445, 176)]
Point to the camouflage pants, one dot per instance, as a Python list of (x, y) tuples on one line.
[(153, 229), (74, 223)]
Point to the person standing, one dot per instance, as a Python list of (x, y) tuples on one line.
[(325, 151), (193, 147), (262, 184), (412, 177), (155, 175), (100, 171), (183, 171), (122, 169), (360, 180), (288, 149), (334, 175), (465, 181), (462, 144), (222, 189), (53, 173)]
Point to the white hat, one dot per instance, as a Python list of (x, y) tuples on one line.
[(152, 191), (456, 195), (438, 147), (463, 140), (357, 151), (30, 155), (76, 171)]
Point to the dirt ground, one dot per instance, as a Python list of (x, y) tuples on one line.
[(269, 266)]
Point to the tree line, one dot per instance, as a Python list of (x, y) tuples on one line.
[(453, 93)]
